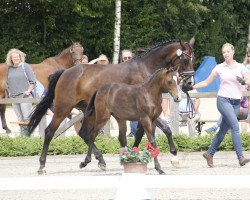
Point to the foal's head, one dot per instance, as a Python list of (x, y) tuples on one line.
[(168, 84)]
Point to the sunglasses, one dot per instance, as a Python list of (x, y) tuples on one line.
[(127, 58)]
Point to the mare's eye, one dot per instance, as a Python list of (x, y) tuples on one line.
[(170, 82), (185, 61)]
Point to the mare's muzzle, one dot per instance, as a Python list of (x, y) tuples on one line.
[(187, 80)]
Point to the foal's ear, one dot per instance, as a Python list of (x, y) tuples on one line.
[(169, 72), (191, 42)]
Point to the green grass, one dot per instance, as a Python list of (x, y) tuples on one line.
[(23, 146)]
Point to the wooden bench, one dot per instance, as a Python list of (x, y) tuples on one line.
[(20, 123)]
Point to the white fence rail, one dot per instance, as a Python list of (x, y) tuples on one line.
[(174, 113)]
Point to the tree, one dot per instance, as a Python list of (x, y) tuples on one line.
[(117, 31)]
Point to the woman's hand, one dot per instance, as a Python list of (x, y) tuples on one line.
[(26, 93), (241, 80)]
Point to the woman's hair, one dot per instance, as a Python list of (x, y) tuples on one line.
[(126, 51), (103, 58), (84, 57), (227, 45), (9, 54)]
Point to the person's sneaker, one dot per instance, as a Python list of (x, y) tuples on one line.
[(243, 160), (212, 129), (130, 135), (209, 159)]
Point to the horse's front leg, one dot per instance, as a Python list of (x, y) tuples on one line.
[(122, 132), (149, 128), (3, 119), (167, 131)]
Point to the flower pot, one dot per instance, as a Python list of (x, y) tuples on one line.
[(135, 167)]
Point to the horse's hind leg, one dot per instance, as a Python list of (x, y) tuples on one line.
[(167, 131), (49, 133), (3, 119), (88, 133)]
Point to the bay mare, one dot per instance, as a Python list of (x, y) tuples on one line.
[(73, 87), (66, 59), (140, 102)]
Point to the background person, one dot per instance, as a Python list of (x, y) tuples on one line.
[(127, 55), (20, 83), (190, 114), (242, 116), (85, 59), (228, 102), (102, 59)]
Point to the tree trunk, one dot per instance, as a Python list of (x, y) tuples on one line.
[(117, 31), (248, 43)]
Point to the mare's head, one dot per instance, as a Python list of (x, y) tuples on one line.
[(180, 58), (168, 84), (76, 51)]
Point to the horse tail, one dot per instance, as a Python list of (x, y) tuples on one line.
[(45, 103), (91, 106)]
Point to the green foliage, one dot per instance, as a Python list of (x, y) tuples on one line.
[(128, 155), (23, 146), (43, 28)]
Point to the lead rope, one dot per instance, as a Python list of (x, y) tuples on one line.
[(190, 103)]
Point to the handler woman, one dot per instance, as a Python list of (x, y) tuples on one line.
[(20, 83), (228, 102)]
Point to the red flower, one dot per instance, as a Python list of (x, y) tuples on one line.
[(136, 149), (123, 151)]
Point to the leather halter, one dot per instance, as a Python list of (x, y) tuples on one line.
[(180, 55)]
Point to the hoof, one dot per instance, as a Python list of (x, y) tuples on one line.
[(161, 172), (41, 172), (175, 161), (102, 166), (8, 131), (82, 165)]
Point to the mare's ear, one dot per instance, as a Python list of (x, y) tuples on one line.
[(191, 42), (182, 44)]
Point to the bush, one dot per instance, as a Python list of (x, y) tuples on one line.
[(23, 146)]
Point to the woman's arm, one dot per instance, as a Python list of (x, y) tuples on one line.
[(93, 61), (205, 83), (247, 78)]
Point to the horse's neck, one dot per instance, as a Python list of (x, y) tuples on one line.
[(64, 60), (154, 88), (148, 65)]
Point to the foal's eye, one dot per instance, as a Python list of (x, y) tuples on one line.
[(170, 82)]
